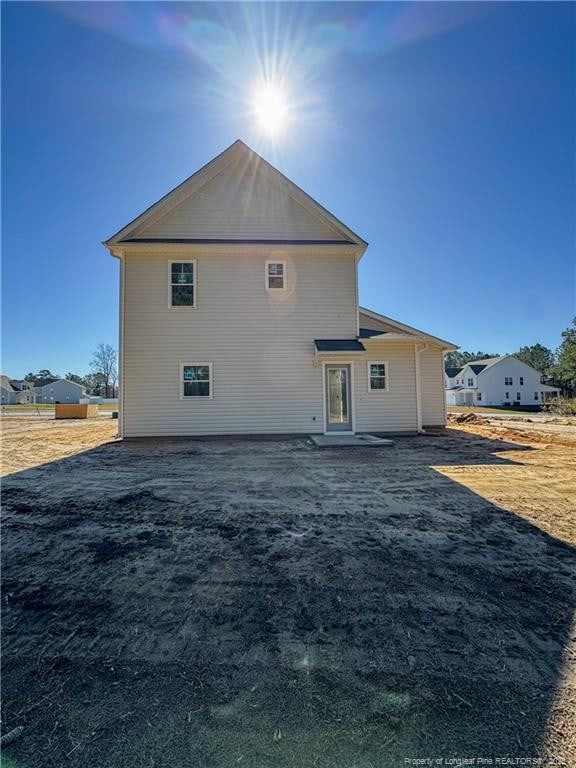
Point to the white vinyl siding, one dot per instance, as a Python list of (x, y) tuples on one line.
[(237, 204), (432, 387), (260, 344), (393, 410)]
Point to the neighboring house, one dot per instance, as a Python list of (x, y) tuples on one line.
[(239, 314), (7, 391), (496, 381), (57, 391), (16, 391), (24, 390)]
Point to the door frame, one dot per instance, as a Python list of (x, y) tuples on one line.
[(332, 363)]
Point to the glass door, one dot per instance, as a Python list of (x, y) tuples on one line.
[(338, 410)]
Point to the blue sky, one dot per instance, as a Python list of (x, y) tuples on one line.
[(444, 134)]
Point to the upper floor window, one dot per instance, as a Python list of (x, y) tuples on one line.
[(182, 284), (470, 382), (508, 381), (276, 275), (521, 380), (377, 376)]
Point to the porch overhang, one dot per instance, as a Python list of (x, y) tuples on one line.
[(331, 346)]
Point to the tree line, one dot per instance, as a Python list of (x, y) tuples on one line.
[(102, 380), (558, 367)]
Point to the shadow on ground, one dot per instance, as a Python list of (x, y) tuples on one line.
[(265, 603)]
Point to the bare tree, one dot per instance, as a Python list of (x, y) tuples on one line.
[(103, 365)]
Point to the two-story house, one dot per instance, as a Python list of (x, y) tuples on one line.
[(239, 314), (496, 381), (50, 391), (57, 391)]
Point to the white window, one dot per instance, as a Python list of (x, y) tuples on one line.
[(507, 395), (195, 380), (378, 376), (479, 396), (470, 382), (182, 283), (521, 381), (508, 381), (518, 396), (535, 395), (276, 275)]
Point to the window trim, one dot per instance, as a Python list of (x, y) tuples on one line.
[(189, 398), (386, 375), (284, 276), (194, 283)]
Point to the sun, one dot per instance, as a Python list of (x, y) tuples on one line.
[(270, 108)]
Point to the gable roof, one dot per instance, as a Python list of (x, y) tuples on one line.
[(5, 383), (452, 372), (39, 383), (401, 328), (488, 360), (44, 382), (229, 201), (478, 366)]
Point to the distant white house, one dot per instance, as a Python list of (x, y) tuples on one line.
[(17, 391), (496, 381), (57, 391)]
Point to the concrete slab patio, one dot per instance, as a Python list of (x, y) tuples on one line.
[(349, 441)]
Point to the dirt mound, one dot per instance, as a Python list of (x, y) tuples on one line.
[(466, 418)]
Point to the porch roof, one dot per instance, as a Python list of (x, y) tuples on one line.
[(339, 345)]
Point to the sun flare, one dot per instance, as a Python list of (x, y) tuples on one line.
[(270, 108)]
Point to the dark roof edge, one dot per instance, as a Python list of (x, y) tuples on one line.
[(227, 241)]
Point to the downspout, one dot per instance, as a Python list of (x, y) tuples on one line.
[(121, 348), (119, 254), (417, 353)]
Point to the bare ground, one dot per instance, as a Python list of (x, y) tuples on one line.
[(266, 603)]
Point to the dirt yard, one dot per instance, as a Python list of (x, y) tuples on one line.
[(269, 604)]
